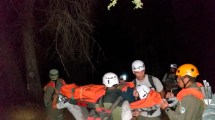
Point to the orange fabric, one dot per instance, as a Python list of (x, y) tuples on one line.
[(81, 103), (127, 84), (190, 91), (66, 90), (93, 118), (199, 84), (152, 99), (89, 93), (63, 82), (103, 110), (51, 84)]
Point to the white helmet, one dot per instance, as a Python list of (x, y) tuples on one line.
[(138, 65), (110, 79), (123, 77), (53, 74), (173, 66), (143, 91)]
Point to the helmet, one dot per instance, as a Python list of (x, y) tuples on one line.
[(138, 65), (143, 91), (187, 69), (110, 79), (123, 77), (53, 74), (173, 66)]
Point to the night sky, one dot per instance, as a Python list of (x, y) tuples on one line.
[(163, 32)]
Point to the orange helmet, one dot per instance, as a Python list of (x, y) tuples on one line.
[(187, 69)]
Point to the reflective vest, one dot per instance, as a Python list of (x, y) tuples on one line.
[(190, 91)]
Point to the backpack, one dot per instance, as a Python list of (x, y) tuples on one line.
[(54, 85), (57, 84), (150, 80), (102, 113), (209, 113), (170, 82)]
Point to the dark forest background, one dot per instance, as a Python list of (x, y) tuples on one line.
[(163, 32)]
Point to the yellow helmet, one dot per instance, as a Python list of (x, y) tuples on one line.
[(187, 69)]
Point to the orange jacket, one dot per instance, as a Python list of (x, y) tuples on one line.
[(152, 99), (191, 91), (126, 85), (52, 83)]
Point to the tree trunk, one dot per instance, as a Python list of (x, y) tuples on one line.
[(12, 88), (32, 74)]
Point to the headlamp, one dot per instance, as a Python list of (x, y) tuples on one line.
[(123, 77)]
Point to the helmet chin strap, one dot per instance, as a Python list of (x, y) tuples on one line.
[(185, 84)]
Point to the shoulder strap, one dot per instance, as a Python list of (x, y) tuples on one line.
[(135, 82), (167, 75), (101, 102), (111, 108), (151, 81), (114, 104), (175, 77), (58, 84)]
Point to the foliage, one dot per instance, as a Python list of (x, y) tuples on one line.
[(112, 4), (70, 28), (138, 4)]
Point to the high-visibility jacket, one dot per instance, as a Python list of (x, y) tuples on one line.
[(190, 106), (49, 91)]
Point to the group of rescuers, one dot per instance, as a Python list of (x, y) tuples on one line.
[(179, 84)]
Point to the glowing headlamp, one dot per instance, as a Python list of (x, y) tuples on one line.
[(123, 77)]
